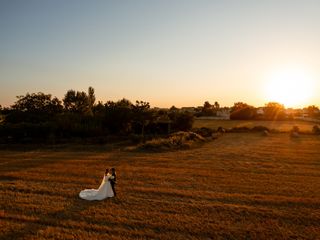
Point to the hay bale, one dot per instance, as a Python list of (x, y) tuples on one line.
[(204, 131), (316, 129), (240, 129), (259, 129), (295, 129), (294, 134), (221, 130), (216, 135)]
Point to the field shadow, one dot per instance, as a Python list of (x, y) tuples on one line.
[(53, 219), (4, 178)]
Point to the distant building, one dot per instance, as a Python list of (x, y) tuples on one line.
[(223, 113), (260, 111), (305, 113)]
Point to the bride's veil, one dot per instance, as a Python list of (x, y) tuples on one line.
[(102, 182)]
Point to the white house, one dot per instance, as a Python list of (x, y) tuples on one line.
[(260, 111), (223, 113)]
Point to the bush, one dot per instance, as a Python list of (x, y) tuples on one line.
[(260, 129), (221, 130), (181, 121), (294, 132), (136, 138), (27, 132), (316, 129), (239, 129), (245, 113), (204, 131), (175, 141), (295, 129)]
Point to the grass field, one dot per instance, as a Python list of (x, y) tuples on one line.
[(278, 125), (240, 186)]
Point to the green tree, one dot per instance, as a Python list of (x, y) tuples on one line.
[(274, 111), (173, 109), (142, 115), (216, 105), (91, 98), (37, 103), (207, 105), (35, 107), (242, 111), (313, 111), (238, 106), (181, 121), (118, 116), (99, 110), (77, 102), (207, 109)]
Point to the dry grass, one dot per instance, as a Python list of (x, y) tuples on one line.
[(240, 186), (278, 125)]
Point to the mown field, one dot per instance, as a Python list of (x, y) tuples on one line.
[(278, 125), (240, 186)]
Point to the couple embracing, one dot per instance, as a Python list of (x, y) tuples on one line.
[(105, 190)]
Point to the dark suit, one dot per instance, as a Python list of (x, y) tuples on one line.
[(113, 183)]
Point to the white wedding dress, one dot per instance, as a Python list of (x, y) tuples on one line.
[(104, 191)]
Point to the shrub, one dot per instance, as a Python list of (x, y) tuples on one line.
[(244, 113), (265, 133), (260, 129), (204, 131), (181, 121), (27, 132), (316, 129), (295, 129), (221, 130), (240, 129), (294, 134), (136, 138), (175, 141)]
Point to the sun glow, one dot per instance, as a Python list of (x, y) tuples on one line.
[(291, 87)]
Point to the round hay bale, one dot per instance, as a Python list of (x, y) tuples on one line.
[(204, 131), (294, 134), (295, 129), (221, 130), (316, 129)]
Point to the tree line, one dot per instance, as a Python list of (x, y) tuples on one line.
[(243, 111), (78, 115), (43, 117)]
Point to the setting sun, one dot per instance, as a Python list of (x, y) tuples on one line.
[(291, 87)]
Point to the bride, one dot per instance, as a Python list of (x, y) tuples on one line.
[(101, 193)]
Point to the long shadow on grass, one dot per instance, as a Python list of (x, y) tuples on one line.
[(53, 219), (38, 159)]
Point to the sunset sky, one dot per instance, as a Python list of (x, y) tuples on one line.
[(167, 52)]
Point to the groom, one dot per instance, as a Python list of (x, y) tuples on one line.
[(113, 180)]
